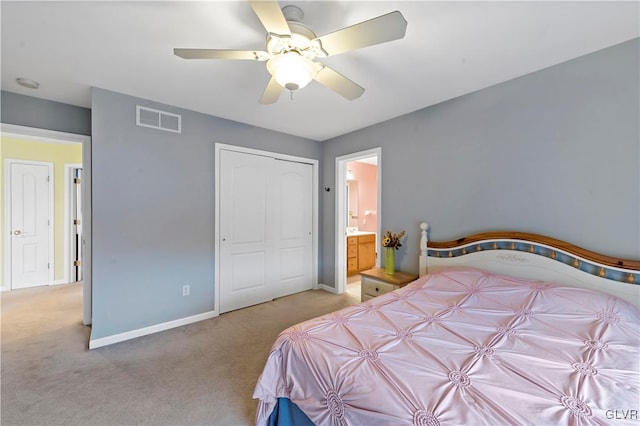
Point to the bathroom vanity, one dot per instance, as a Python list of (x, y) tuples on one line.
[(361, 252)]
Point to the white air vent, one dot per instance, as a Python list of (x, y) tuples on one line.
[(161, 120)]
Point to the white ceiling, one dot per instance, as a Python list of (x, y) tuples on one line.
[(451, 48)]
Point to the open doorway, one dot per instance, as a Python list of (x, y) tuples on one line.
[(74, 264), (25, 147), (358, 224)]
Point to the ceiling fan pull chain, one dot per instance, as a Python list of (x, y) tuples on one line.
[(291, 94)]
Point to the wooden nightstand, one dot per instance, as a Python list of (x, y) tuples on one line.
[(375, 282)]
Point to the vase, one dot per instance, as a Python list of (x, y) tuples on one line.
[(390, 261)]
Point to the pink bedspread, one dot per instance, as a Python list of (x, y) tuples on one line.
[(463, 347)]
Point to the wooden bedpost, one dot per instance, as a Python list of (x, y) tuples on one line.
[(423, 249)]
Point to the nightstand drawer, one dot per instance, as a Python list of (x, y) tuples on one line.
[(376, 288), (376, 282)]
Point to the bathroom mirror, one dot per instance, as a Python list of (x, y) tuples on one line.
[(352, 203)]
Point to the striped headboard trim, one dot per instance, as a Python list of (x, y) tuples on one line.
[(621, 270)]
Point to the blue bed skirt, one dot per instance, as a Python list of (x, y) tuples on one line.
[(286, 413)]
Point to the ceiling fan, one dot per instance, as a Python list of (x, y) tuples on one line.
[(292, 47)]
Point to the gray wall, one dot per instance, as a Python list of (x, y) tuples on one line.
[(554, 152), (153, 210), (33, 112)]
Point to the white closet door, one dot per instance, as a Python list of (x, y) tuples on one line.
[(292, 196), (266, 213), (244, 239)]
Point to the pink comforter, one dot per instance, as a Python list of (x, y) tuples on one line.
[(463, 347)]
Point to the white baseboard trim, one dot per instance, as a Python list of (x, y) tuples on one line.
[(128, 335), (59, 282), (327, 288)]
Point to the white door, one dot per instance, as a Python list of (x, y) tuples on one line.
[(244, 251), (292, 198), (30, 222), (265, 229)]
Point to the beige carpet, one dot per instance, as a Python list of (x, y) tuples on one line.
[(203, 373)]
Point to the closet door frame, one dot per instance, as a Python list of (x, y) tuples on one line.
[(315, 208)]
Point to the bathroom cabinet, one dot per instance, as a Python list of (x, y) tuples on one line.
[(361, 253)]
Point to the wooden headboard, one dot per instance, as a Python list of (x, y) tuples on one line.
[(533, 256)]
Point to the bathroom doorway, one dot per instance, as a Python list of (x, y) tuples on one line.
[(358, 225)]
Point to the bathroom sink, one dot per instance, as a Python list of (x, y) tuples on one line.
[(356, 231)]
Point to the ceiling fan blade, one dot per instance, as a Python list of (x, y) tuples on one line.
[(339, 83), (391, 26), (250, 55), (271, 92), (271, 16)]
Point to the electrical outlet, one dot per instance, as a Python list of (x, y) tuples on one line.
[(186, 290)]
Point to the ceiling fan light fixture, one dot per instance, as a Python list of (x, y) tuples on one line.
[(292, 70), (292, 47)]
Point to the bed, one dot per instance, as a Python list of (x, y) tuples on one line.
[(500, 328)]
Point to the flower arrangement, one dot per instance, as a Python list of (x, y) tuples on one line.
[(390, 240)]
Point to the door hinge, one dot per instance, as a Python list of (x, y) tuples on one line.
[(48, 178), (76, 263), (76, 221), (48, 266), (76, 181)]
